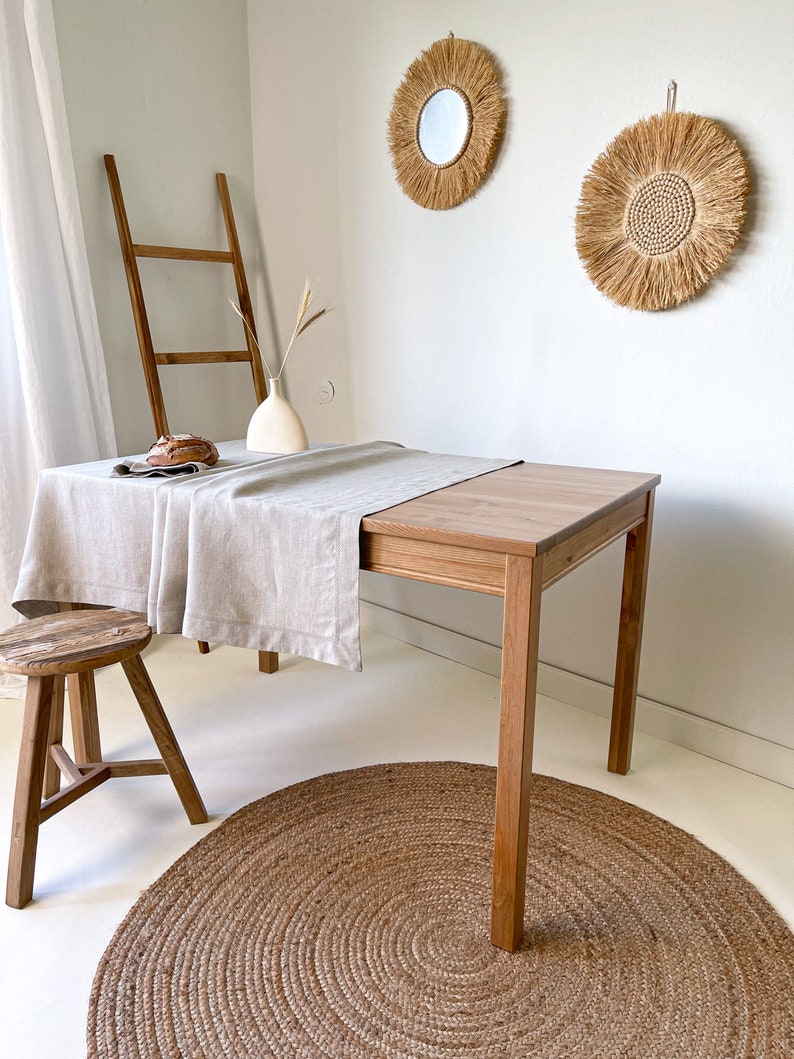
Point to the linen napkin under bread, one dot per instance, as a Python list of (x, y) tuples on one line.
[(136, 469)]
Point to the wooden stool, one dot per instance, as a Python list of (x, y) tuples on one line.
[(73, 644)]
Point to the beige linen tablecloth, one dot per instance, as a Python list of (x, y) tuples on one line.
[(258, 551), (90, 538)]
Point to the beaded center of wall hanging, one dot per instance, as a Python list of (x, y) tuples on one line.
[(660, 213)]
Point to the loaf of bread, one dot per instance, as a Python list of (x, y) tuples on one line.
[(173, 449)]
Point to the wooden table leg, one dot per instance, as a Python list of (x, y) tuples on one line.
[(84, 717), (523, 585), (268, 661), (82, 709), (627, 667), (52, 774)]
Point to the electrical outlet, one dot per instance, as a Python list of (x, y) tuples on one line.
[(326, 392)]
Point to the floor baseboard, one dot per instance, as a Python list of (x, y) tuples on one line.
[(748, 752)]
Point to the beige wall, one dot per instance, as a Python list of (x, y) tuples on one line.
[(476, 330), (164, 87)]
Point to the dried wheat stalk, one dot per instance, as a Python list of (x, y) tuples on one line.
[(300, 326)]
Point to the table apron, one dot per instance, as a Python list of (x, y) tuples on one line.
[(478, 570), (440, 564), (577, 549)]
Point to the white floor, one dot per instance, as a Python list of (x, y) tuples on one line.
[(246, 734)]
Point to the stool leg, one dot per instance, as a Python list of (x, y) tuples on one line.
[(85, 720), (83, 710), (27, 800), (163, 733), (52, 774)]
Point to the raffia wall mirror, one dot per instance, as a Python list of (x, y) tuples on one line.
[(446, 123)]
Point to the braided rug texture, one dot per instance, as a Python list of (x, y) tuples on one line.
[(347, 916)]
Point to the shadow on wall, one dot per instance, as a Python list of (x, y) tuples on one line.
[(720, 614)]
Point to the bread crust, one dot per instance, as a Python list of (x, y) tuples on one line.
[(173, 449)]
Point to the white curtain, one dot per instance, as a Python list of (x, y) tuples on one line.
[(54, 401)]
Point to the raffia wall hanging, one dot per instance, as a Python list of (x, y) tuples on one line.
[(661, 209), (468, 69)]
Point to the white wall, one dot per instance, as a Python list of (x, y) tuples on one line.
[(165, 87), (477, 330)]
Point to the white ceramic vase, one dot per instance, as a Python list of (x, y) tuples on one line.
[(275, 426)]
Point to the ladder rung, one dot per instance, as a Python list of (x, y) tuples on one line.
[(223, 356), (179, 253)]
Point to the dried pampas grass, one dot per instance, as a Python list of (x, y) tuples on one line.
[(468, 69), (661, 209)]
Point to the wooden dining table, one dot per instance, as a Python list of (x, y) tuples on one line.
[(512, 533)]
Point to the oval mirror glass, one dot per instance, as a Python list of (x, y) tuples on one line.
[(444, 127)]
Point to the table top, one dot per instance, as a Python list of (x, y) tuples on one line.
[(525, 509)]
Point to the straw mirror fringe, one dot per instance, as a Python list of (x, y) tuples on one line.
[(661, 209), (469, 69), (347, 916)]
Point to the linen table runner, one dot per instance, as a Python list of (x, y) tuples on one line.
[(272, 560)]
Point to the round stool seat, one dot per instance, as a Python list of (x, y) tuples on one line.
[(74, 641)]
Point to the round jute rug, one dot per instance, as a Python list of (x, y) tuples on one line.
[(347, 916)]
